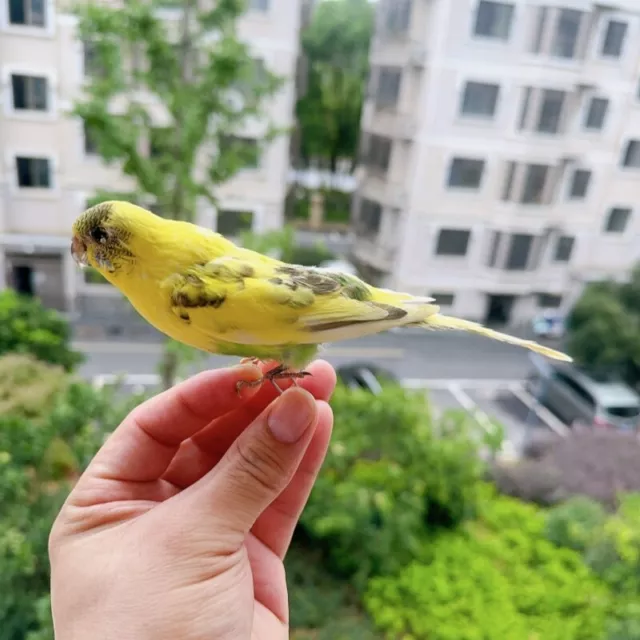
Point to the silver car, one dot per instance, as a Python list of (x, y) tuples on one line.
[(578, 398)]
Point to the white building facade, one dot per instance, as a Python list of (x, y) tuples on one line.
[(500, 163), (49, 170)]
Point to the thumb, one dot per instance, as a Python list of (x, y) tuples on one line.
[(259, 464)]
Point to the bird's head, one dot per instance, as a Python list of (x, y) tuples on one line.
[(106, 236)]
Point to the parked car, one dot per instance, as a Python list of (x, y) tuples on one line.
[(580, 398), (548, 324), (365, 375)]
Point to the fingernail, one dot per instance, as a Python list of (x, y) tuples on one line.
[(292, 415)]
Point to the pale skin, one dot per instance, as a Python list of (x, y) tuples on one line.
[(179, 526)]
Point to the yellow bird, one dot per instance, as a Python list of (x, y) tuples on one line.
[(203, 290)]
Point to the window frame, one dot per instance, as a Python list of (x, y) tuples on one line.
[(584, 192), (32, 115), (607, 226), (589, 110), (564, 248), (622, 42), (442, 233), (460, 187), (47, 30), (475, 114), (509, 6), (31, 188)]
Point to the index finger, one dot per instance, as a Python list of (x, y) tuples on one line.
[(142, 447)]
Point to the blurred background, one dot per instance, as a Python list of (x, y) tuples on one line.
[(484, 153)]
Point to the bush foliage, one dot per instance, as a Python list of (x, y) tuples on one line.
[(387, 475), (43, 448), (26, 326), (496, 577)]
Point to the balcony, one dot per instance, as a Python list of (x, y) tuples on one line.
[(398, 52), (375, 186), (367, 249), (392, 123)]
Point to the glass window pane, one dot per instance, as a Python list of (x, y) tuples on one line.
[(566, 35)]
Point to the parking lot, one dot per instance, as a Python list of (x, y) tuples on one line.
[(507, 402)]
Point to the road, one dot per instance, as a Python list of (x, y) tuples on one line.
[(481, 376), (410, 355)]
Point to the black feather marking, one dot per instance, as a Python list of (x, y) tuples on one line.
[(199, 299)]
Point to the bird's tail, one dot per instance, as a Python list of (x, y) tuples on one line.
[(438, 321)]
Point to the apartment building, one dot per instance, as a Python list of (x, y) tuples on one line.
[(500, 164), (49, 168)]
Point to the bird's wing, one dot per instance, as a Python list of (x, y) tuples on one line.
[(317, 304)]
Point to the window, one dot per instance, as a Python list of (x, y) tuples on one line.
[(92, 66), (614, 38), (453, 242), (480, 99), (379, 152), (465, 173), (631, 157), (549, 300), (617, 219), (28, 13), (245, 150), (564, 248), (29, 93), (33, 172), (565, 38), (90, 146), (508, 181), (397, 16), (496, 240), (388, 89), (519, 251), (370, 217), (580, 183), (575, 387), (256, 77), (524, 112), (444, 299), (493, 20), (596, 113), (534, 184), (550, 111), (541, 23), (232, 222), (259, 5)]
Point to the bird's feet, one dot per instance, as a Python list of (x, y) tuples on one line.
[(280, 372)]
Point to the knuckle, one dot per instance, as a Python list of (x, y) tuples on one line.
[(261, 464)]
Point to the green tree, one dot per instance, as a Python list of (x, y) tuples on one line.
[(336, 45), (168, 100), (604, 328), (28, 327)]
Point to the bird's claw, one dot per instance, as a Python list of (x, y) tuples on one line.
[(280, 372)]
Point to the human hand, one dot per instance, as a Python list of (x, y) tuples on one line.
[(178, 527)]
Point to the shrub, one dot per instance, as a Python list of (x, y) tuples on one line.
[(614, 550), (496, 577), (599, 464), (41, 454), (26, 326), (27, 385), (574, 524), (611, 548), (387, 473)]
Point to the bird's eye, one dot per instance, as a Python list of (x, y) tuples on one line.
[(98, 235)]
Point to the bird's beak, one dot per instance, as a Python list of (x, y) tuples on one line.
[(79, 251)]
